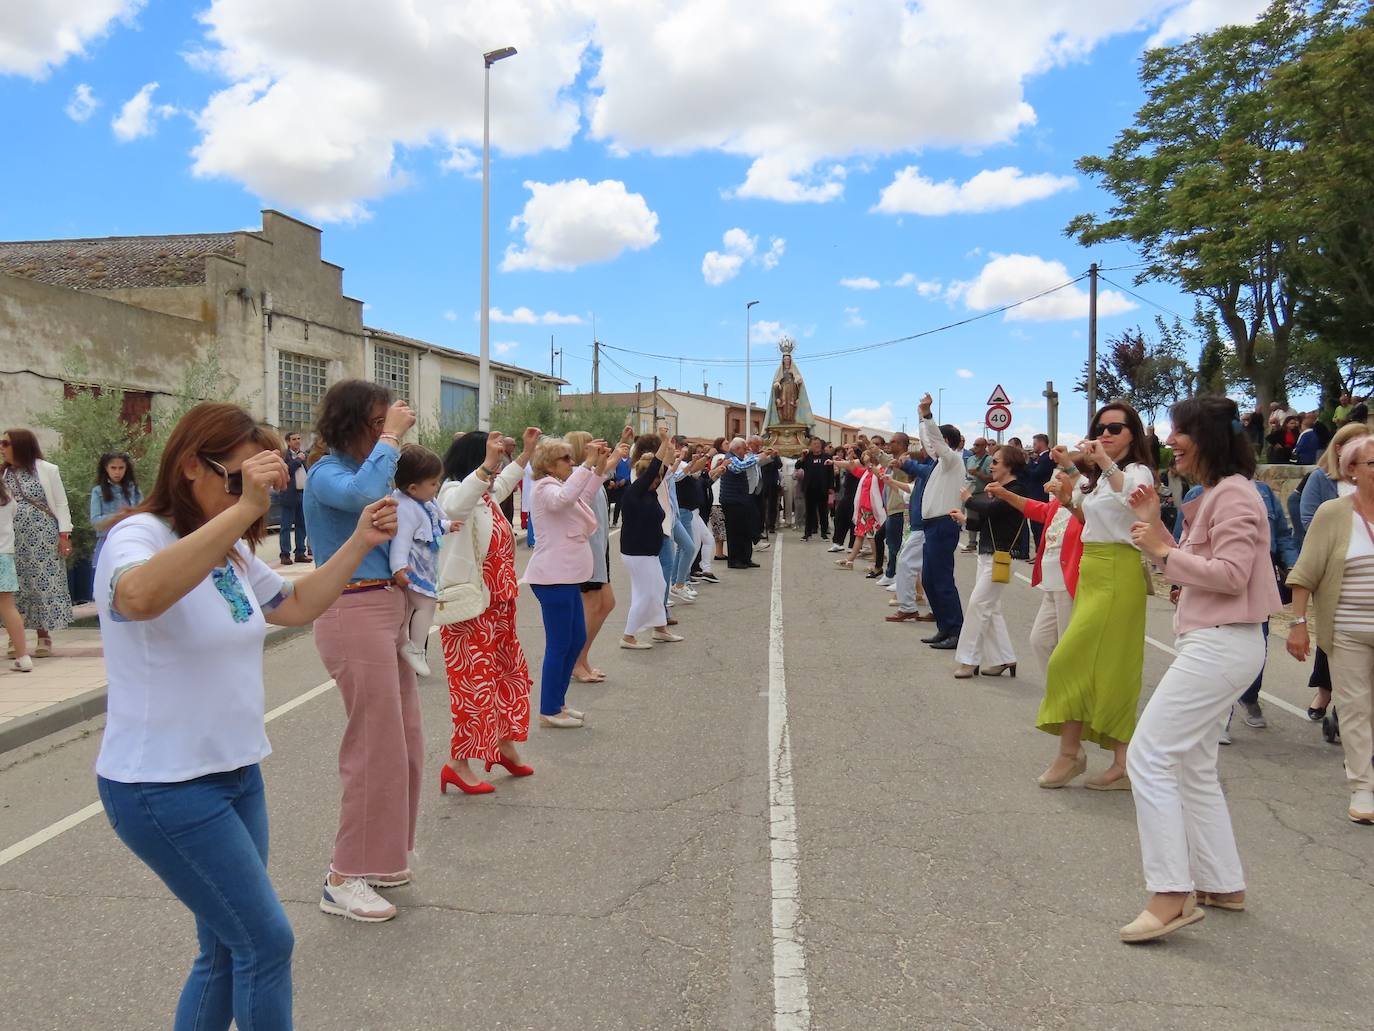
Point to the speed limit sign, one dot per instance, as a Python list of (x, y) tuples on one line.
[(999, 418)]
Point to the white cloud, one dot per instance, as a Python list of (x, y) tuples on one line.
[(717, 268), (777, 246), (572, 223), (40, 35), (879, 418), (924, 287), (527, 317), (503, 347), (799, 91), (854, 318), (1194, 16), (1007, 278), (138, 116), (765, 331), (911, 193), (963, 373), (451, 315), (861, 283), (82, 103), (464, 161)]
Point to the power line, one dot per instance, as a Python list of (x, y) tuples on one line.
[(1138, 297), (844, 352)]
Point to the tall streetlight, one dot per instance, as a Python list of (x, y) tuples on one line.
[(941, 416), (748, 397), (484, 357)]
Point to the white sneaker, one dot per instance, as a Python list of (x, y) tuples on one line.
[(885, 581), (355, 900), (1362, 806), (762, 546), (415, 658), (394, 881), (23, 664), (834, 548), (891, 587), (667, 637), (681, 594)]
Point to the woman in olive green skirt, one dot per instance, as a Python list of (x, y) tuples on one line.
[(1092, 686)]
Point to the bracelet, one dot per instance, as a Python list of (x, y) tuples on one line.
[(1111, 470), (391, 437), (1068, 468)]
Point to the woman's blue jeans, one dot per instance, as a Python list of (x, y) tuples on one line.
[(207, 839), (686, 547), (565, 632)]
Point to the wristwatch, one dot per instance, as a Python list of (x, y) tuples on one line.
[(1300, 621)]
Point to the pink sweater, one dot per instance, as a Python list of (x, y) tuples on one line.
[(563, 525), (1222, 563)]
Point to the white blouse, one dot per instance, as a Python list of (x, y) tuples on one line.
[(1107, 514), (1051, 570)]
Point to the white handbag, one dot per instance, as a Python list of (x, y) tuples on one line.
[(460, 602)]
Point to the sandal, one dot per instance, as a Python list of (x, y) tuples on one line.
[(1223, 900), (1147, 927), (43, 649), (844, 563)]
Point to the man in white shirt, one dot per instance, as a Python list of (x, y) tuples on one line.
[(942, 496)]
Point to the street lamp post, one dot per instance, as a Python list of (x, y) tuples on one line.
[(484, 356), (748, 397), (941, 415)]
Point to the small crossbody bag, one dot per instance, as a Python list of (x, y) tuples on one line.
[(1001, 560)]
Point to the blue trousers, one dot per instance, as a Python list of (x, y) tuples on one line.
[(207, 839), (667, 560), (529, 529), (293, 516), (565, 632), (894, 526), (684, 545), (937, 574)]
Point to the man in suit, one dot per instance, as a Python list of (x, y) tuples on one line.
[(1036, 477), (292, 508)]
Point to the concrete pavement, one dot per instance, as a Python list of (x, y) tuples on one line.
[(629, 883)]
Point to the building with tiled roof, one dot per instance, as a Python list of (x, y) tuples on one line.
[(117, 262)]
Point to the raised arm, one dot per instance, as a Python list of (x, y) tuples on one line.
[(339, 488)]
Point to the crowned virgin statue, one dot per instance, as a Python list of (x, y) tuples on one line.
[(788, 404)]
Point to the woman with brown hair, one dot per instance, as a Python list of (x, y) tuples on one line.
[(359, 639), (42, 536), (184, 604), (1092, 685)]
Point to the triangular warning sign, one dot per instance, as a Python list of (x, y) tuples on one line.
[(999, 397)]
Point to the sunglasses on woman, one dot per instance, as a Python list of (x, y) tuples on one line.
[(1114, 429), (233, 482)]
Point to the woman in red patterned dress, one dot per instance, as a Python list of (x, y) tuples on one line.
[(488, 679)]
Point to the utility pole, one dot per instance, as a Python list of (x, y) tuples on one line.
[(639, 423), (656, 405), (551, 352), (1092, 343), (830, 411), (1051, 413), (596, 366)]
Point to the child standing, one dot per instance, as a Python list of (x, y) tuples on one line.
[(420, 525), (116, 489), (9, 584)]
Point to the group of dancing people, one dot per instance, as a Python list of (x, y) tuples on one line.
[(1099, 537), (403, 540)]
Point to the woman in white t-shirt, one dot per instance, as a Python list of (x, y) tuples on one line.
[(1092, 684), (184, 604)]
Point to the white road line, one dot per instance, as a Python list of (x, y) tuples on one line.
[(1288, 707), (79, 817), (791, 1001)]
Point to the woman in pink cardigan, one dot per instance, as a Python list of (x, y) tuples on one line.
[(1226, 592), (562, 561)]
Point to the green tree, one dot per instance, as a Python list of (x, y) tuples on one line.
[(590, 412), (1198, 185), (1211, 363)]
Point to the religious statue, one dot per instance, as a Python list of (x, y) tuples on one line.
[(789, 418)]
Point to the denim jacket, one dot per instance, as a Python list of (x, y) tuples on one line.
[(1283, 547)]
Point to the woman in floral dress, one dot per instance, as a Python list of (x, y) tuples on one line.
[(42, 536), (489, 680)]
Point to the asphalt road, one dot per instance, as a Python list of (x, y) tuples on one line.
[(631, 882)]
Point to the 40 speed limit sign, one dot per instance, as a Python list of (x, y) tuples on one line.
[(999, 418)]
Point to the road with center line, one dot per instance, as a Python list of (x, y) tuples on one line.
[(796, 818)]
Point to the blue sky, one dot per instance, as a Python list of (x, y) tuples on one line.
[(863, 175)]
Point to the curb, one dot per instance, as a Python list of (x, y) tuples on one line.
[(27, 729)]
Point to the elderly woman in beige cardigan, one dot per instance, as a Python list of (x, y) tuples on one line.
[(1335, 572)]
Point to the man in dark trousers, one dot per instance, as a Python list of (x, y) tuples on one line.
[(817, 476), (942, 496), (1036, 477), (292, 507)]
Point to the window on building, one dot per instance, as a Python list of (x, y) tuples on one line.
[(301, 383), (391, 368), (135, 408), (505, 387), (458, 404)]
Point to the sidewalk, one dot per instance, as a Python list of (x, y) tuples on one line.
[(69, 686)]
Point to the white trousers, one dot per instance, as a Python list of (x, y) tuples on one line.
[(909, 570), (646, 593), (1186, 841), (1056, 607), (706, 544), (1352, 687), (984, 641)]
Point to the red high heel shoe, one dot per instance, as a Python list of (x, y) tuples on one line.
[(447, 777), (514, 769)]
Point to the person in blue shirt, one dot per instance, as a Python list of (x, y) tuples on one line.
[(909, 558), (1283, 552), (359, 639), (615, 488), (116, 488)]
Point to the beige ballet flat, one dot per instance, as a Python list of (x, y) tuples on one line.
[(1147, 927), (1233, 901), (1097, 783), (1079, 767)]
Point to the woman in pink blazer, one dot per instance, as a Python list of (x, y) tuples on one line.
[(1226, 592), (562, 561)]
